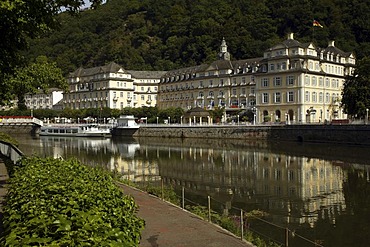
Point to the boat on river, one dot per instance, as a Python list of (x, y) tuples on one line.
[(79, 130), (126, 126)]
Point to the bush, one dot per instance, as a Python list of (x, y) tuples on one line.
[(52, 202), (7, 138)]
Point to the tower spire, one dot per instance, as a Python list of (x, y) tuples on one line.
[(223, 54)]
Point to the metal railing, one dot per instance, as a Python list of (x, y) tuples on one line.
[(10, 151), (20, 120), (237, 221)]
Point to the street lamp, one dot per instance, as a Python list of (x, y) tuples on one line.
[(254, 115), (169, 120), (238, 119), (181, 120), (157, 120), (367, 115)]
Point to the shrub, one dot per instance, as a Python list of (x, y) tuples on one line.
[(52, 202)]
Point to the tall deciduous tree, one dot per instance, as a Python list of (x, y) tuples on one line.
[(24, 19), (40, 75), (356, 92)]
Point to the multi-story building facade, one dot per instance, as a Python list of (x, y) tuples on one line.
[(292, 82), (111, 86), (44, 100), (302, 83), (223, 83)]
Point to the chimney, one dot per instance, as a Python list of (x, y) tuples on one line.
[(331, 43), (291, 36)]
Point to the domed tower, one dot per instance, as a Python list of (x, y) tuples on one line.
[(223, 54)]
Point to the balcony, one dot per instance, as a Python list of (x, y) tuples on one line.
[(252, 95), (221, 96), (200, 97), (210, 97), (243, 95), (233, 96)]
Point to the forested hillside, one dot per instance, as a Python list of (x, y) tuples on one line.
[(168, 34)]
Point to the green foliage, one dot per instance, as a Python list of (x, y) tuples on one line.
[(52, 202), (217, 114), (7, 138), (174, 113), (231, 223), (165, 35), (168, 193), (40, 75), (356, 91), (20, 21)]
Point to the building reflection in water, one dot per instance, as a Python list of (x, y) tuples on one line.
[(293, 189)]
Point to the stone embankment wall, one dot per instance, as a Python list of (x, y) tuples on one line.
[(19, 128), (208, 132), (345, 134)]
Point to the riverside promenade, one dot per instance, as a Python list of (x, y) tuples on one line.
[(166, 225), (170, 226)]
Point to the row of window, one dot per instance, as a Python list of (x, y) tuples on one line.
[(309, 97), (314, 97), (99, 105), (100, 76), (211, 83), (277, 81), (265, 97), (102, 85), (309, 81)]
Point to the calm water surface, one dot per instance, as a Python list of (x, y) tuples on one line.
[(321, 192)]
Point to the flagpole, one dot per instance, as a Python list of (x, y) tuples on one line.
[(313, 31)]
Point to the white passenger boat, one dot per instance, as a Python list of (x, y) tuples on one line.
[(126, 126), (83, 130)]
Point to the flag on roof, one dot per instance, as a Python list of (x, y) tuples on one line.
[(316, 24)]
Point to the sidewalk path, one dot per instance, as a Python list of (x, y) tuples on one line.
[(170, 226)]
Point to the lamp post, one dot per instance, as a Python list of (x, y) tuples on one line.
[(157, 120), (169, 120), (254, 115), (238, 118), (286, 118), (181, 120), (367, 115)]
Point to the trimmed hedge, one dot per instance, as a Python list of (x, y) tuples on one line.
[(52, 202)]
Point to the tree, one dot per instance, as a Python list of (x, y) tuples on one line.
[(217, 114), (356, 91), (21, 20), (40, 75)]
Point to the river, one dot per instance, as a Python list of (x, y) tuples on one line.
[(318, 191)]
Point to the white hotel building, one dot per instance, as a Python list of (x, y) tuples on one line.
[(292, 82), (111, 86)]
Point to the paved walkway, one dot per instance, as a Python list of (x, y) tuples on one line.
[(170, 226)]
